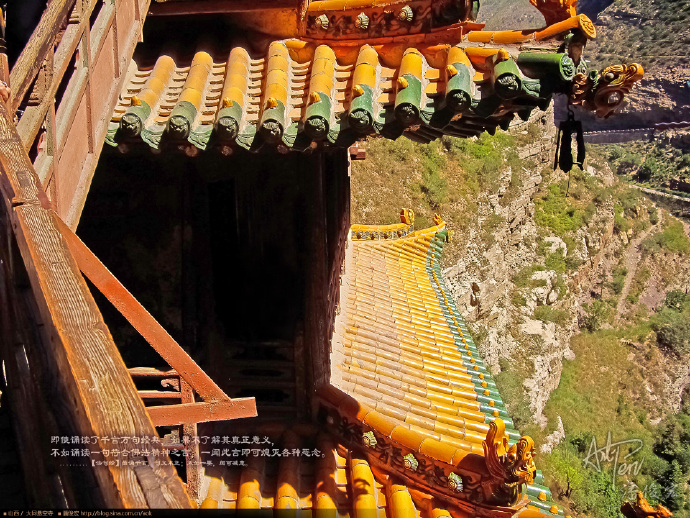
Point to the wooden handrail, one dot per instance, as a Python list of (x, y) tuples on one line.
[(102, 399), (42, 39)]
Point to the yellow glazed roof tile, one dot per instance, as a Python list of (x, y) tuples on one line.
[(298, 93)]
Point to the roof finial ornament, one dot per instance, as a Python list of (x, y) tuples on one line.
[(555, 11), (406, 14), (510, 467), (642, 509), (362, 22), (321, 22)]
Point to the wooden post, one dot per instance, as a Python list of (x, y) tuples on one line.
[(192, 455)]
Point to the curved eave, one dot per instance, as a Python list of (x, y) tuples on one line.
[(408, 386), (299, 95)]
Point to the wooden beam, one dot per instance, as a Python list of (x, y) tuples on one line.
[(103, 401), (105, 99), (30, 60), (141, 320), (171, 415), (32, 118)]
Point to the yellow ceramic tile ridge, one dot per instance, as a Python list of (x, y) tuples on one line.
[(249, 495), (157, 81), (214, 494), (447, 430), (287, 494), (440, 397), (236, 77), (363, 486), (437, 512), (428, 434), (277, 71), (400, 502), (326, 491), (194, 85), (457, 55)]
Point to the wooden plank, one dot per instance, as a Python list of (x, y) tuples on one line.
[(141, 320), (172, 415), (30, 60), (159, 394), (100, 73), (25, 398), (32, 118), (103, 401), (193, 457), (106, 98)]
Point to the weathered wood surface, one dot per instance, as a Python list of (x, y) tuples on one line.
[(217, 405), (30, 60), (103, 399), (18, 346), (75, 125)]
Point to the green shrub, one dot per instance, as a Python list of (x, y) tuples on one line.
[(618, 281), (671, 239), (518, 299), (556, 262), (676, 299), (620, 224), (653, 215), (523, 278), (596, 314), (628, 200), (549, 314), (649, 169), (673, 331), (555, 212), (639, 282)]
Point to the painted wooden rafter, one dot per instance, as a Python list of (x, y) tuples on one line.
[(217, 406)]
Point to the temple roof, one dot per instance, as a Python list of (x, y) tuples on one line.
[(402, 350), (298, 94), (409, 416), (332, 478)]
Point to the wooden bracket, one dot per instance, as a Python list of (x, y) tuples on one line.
[(217, 406)]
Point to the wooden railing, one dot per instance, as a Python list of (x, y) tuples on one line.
[(66, 378), (58, 349), (65, 84)]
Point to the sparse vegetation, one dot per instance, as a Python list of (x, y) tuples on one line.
[(554, 211), (672, 239), (523, 278), (549, 314), (618, 281), (673, 330), (638, 284), (596, 314)]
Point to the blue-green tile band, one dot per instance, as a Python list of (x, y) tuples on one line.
[(460, 332)]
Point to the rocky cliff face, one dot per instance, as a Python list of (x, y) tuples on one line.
[(655, 34), (506, 308), (482, 280)]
